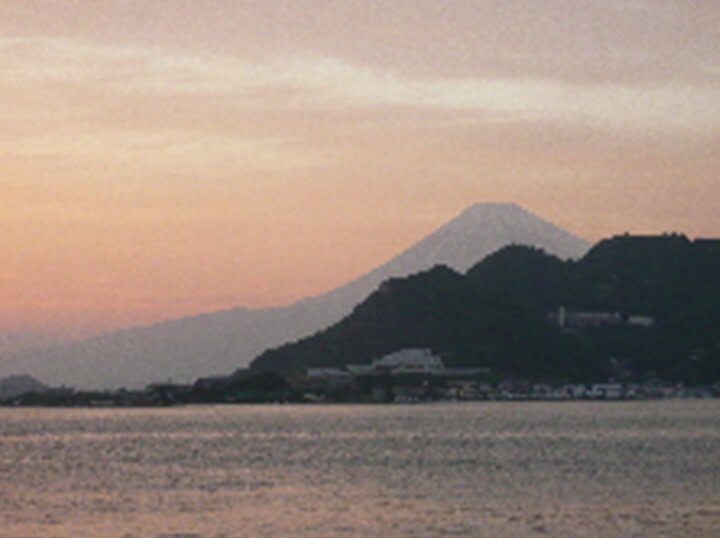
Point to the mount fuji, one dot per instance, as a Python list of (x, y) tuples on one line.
[(219, 343)]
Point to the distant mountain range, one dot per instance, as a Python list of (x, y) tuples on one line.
[(15, 385), (632, 308), (218, 343)]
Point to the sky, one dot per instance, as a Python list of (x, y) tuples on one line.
[(168, 157)]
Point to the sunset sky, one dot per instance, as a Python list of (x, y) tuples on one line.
[(163, 158)]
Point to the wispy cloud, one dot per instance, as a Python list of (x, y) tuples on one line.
[(321, 82), (171, 150)]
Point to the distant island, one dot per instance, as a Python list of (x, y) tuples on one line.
[(17, 385), (637, 316)]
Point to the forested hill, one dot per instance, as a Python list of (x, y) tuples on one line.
[(497, 315)]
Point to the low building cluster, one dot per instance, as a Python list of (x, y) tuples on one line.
[(412, 375), (407, 375), (469, 390)]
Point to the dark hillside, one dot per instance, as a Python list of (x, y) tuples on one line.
[(444, 311), (633, 274), (420, 310), (497, 316), (526, 276)]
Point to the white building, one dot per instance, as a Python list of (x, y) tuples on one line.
[(608, 391), (412, 361), (404, 361), (315, 373), (642, 321), (582, 319)]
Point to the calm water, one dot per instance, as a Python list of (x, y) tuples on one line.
[(480, 469)]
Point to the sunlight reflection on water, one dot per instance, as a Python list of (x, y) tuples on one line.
[(480, 469)]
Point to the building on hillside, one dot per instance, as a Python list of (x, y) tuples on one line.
[(408, 361), (572, 319), (320, 373), (641, 321), (404, 361)]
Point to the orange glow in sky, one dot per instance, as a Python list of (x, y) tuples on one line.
[(160, 159)]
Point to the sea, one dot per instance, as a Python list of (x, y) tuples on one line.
[(561, 469)]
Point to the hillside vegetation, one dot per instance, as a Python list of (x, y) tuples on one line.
[(500, 315)]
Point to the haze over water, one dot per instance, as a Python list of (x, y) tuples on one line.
[(480, 469)]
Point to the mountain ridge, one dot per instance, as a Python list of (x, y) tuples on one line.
[(634, 307), (217, 343)]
